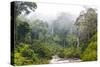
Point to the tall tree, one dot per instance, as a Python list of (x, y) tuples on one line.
[(86, 25), (22, 6), (22, 28)]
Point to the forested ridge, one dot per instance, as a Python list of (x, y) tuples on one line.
[(36, 41)]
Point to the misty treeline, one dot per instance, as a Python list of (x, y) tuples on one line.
[(36, 41)]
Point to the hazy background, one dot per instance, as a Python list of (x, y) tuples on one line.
[(5, 32)]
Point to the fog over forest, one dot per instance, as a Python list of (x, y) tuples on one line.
[(50, 12), (54, 33)]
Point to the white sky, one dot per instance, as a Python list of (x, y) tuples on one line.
[(50, 10), (53, 8)]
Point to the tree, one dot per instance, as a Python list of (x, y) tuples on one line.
[(39, 30), (25, 55), (86, 25), (22, 6), (90, 53), (62, 27), (22, 29), (70, 52)]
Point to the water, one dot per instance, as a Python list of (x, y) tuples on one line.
[(57, 60)]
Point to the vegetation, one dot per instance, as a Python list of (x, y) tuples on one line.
[(90, 52), (36, 41), (71, 52), (21, 6)]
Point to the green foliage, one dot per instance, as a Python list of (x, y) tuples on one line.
[(22, 6), (36, 41), (71, 40), (56, 38), (70, 52), (86, 27), (90, 52), (25, 55), (22, 29), (46, 50), (18, 59)]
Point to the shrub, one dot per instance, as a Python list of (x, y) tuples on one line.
[(43, 50), (70, 52), (46, 50), (90, 52), (18, 59), (25, 55)]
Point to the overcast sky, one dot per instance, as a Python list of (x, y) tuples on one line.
[(53, 9), (49, 11)]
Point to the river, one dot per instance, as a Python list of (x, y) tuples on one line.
[(57, 60)]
